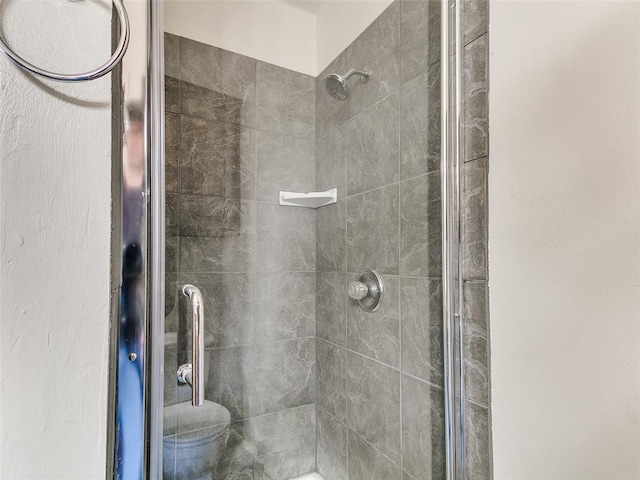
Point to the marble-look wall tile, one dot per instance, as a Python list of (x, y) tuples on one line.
[(332, 162), (285, 375), (208, 216), (171, 301), (378, 48), (216, 158), (332, 379), (366, 463), (239, 454), (422, 349), (332, 447), (419, 36), (171, 254), (172, 55), (221, 71), (478, 442), (423, 448), (230, 382), (421, 226), (170, 368), (284, 163), (172, 152), (285, 101), (171, 94), (475, 342), (228, 305), (475, 19), (285, 443), (331, 227), (373, 404), (373, 241), (204, 102), (420, 124), (474, 210), (331, 298), (287, 305), (204, 147), (231, 252), (373, 147), (330, 113), (475, 75), (171, 222), (286, 238), (377, 334)]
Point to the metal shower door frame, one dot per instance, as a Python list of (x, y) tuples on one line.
[(134, 438)]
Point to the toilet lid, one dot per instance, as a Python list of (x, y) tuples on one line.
[(184, 417)]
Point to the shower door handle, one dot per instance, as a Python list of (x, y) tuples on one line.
[(193, 374)]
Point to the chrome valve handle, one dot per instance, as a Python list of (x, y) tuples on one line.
[(357, 290)]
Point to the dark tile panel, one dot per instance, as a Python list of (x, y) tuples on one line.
[(474, 210), (286, 238), (223, 72), (285, 101), (420, 121), (228, 306), (332, 379), (377, 334), (422, 340), (284, 163), (331, 248), (419, 36), (286, 305), (373, 404), (373, 147), (285, 375), (332, 447), (423, 453), (475, 75), (478, 442), (332, 162), (421, 226), (476, 342), (373, 240), (331, 306), (378, 48), (172, 152), (285, 443), (366, 463), (172, 55), (475, 19), (230, 382)]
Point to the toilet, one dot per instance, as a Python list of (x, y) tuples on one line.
[(194, 438)]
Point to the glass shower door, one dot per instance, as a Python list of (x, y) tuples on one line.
[(299, 379)]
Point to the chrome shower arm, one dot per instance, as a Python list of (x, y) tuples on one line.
[(364, 74)]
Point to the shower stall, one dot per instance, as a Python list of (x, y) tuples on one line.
[(305, 289)]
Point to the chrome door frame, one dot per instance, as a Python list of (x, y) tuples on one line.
[(135, 414)]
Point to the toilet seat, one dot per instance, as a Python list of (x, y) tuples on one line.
[(184, 417)]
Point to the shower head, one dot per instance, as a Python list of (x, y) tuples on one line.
[(338, 85)]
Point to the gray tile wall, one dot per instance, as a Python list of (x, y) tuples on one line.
[(474, 218), (379, 393), (237, 131), (380, 375)]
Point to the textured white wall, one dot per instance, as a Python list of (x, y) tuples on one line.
[(273, 31), (54, 245), (304, 35), (564, 221), (339, 22)]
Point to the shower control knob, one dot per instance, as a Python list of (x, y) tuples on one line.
[(357, 290)]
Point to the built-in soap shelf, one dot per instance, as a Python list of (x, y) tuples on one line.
[(308, 200)]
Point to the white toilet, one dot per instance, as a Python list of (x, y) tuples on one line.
[(195, 454)]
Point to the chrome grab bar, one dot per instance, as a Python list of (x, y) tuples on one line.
[(193, 374), (123, 43)]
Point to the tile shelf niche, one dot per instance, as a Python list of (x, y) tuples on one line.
[(308, 200)]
